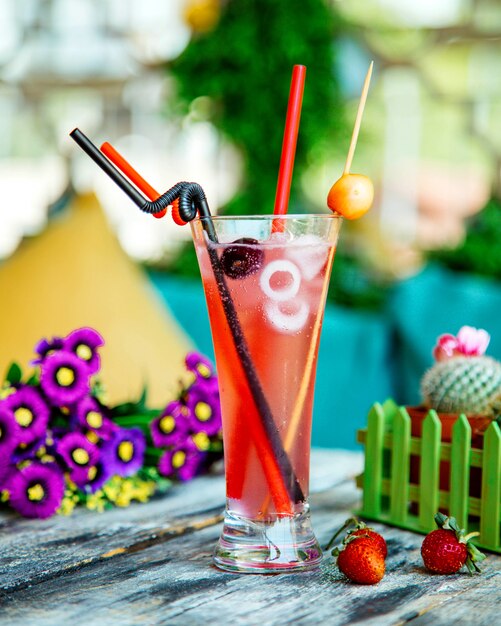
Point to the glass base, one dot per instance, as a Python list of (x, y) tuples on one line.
[(280, 544)]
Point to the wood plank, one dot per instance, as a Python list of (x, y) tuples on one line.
[(175, 583), (400, 461), (35, 550), (415, 448), (429, 471), (460, 471), (490, 515), (158, 576), (373, 469)]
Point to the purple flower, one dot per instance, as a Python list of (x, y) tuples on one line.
[(205, 411), (24, 452), (4, 471), (183, 461), (45, 348), (97, 476), (208, 388), (10, 432), (199, 365), (124, 452), (79, 455), (36, 490), (64, 379), (171, 427), (89, 414), (28, 409), (84, 343)]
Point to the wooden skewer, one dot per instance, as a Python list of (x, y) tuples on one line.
[(358, 120), (298, 408), (305, 381)]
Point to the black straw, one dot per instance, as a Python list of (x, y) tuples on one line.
[(192, 199), (107, 166)]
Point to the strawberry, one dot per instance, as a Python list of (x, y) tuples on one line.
[(447, 549), (361, 560), (361, 530), (364, 531), (361, 557)]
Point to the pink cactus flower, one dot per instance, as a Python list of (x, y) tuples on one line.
[(468, 342), (445, 348), (473, 341)]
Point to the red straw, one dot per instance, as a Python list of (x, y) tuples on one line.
[(290, 140), (115, 157), (278, 489)]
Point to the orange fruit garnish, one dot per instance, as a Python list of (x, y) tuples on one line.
[(351, 196)]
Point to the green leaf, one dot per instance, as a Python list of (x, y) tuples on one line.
[(14, 374), (33, 380), (133, 408), (474, 556), (440, 520), (136, 419), (144, 395)]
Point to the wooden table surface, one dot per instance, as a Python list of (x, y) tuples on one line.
[(151, 564)]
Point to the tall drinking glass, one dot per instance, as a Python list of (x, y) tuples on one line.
[(265, 280)]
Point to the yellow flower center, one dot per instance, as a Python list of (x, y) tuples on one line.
[(201, 440), (36, 493), (167, 424), (189, 379), (84, 352), (1, 432), (203, 411), (203, 370), (65, 376), (23, 416), (80, 456), (92, 436), (92, 472), (94, 419), (178, 459), (126, 451)]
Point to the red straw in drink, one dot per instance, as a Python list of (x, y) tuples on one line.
[(290, 141), (272, 468)]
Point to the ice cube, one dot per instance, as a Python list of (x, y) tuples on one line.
[(310, 253), (283, 287), (290, 320)]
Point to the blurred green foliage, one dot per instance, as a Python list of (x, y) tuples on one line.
[(480, 252), (353, 285), (237, 76), (244, 67)]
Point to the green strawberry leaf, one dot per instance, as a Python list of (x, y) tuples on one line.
[(474, 556), (441, 520)]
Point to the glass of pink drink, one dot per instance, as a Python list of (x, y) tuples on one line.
[(266, 281)]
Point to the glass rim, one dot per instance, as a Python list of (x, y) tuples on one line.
[(267, 217)]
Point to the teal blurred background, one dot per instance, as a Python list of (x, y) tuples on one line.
[(364, 356), (197, 90)]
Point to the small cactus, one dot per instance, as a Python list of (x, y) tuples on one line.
[(464, 384)]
